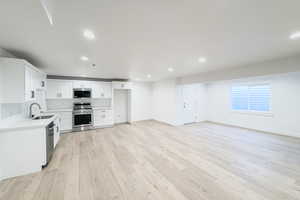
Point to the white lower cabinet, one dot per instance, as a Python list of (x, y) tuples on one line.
[(22, 151), (65, 120), (103, 118), (56, 131)]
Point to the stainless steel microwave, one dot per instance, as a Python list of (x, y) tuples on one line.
[(82, 93)]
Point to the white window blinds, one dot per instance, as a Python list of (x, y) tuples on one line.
[(251, 97)]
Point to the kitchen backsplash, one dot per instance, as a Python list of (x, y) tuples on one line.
[(101, 103), (55, 104), (11, 109), (8, 110)]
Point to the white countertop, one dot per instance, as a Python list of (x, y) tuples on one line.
[(71, 110), (25, 123), (60, 110), (102, 108)]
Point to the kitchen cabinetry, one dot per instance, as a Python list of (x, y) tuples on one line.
[(56, 131), (103, 118), (20, 80), (59, 89), (121, 85), (101, 90), (65, 119), (82, 84), (22, 151)]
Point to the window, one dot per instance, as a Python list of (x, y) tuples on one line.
[(251, 97)]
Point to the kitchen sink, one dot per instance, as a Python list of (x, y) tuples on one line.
[(43, 117)]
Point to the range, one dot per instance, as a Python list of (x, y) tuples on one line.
[(82, 116)]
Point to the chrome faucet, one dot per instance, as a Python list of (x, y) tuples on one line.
[(30, 109)]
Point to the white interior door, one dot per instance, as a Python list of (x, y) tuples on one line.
[(189, 104), (120, 106)]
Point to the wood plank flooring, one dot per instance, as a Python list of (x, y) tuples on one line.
[(151, 160)]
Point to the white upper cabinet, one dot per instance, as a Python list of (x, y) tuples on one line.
[(82, 84), (59, 89), (107, 88), (20, 80), (64, 88), (101, 89), (121, 85)]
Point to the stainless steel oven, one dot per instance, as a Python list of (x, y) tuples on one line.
[(82, 116), (82, 93)]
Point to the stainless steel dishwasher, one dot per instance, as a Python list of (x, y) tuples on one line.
[(49, 142)]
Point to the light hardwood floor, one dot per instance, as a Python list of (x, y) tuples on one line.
[(151, 160)]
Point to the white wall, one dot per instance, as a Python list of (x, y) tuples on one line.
[(141, 101), (285, 105), (278, 66), (165, 101)]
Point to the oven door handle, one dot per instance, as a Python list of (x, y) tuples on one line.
[(83, 113)]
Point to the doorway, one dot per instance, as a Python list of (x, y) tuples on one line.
[(121, 106), (189, 104)]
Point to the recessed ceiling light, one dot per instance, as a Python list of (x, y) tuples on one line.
[(295, 36), (149, 76), (84, 58), (88, 34), (202, 60), (170, 69)]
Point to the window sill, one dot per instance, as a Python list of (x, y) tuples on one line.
[(257, 113)]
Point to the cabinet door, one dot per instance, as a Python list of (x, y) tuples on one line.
[(66, 121), (103, 118), (97, 90), (56, 131), (41, 80), (98, 118), (82, 84), (54, 89), (67, 89), (102, 90), (59, 89), (30, 89), (107, 89)]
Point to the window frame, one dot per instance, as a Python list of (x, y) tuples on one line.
[(268, 113)]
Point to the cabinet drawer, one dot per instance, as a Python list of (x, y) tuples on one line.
[(103, 117)]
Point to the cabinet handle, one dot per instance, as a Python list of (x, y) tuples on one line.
[(32, 94)]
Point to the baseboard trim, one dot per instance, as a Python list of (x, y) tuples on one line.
[(252, 129)]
